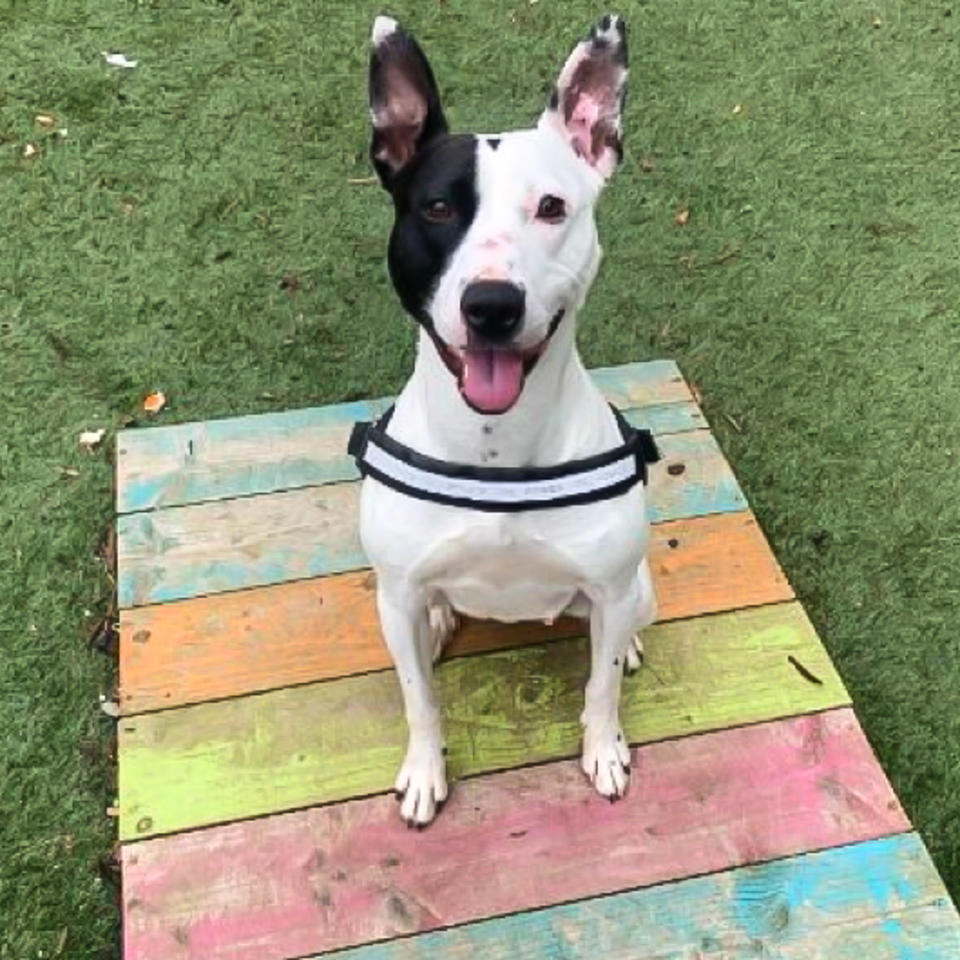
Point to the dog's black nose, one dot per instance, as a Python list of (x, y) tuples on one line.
[(493, 308)]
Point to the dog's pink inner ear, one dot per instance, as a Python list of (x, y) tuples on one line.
[(404, 101), (589, 99), (398, 119), (591, 114)]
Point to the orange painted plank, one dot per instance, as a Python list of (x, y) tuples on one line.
[(324, 878), (207, 648)]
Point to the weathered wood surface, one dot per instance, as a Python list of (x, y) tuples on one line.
[(207, 548), (226, 645), (329, 877), (876, 900), (216, 459), (328, 741)]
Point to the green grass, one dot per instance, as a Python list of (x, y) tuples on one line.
[(812, 297)]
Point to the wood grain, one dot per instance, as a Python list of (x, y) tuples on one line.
[(330, 877), (239, 456), (208, 648), (328, 741), (206, 548), (876, 900)]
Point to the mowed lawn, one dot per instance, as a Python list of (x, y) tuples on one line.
[(199, 229)]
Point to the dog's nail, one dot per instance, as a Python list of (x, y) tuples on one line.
[(421, 827), (441, 804), (398, 795), (626, 768)]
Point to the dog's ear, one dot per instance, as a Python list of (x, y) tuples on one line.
[(587, 102), (404, 101)]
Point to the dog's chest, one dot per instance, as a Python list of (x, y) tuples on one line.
[(502, 570), (507, 567)]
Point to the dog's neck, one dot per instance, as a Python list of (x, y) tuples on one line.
[(559, 416)]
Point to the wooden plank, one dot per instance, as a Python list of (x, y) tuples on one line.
[(230, 644), (879, 900), (182, 552), (330, 877), (214, 459), (322, 742), (239, 456)]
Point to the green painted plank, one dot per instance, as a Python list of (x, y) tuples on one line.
[(878, 900), (191, 551), (321, 742), (239, 456)]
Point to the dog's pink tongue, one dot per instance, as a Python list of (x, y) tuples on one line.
[(492, 379)]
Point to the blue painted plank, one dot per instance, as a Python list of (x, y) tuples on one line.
[(217, 459), (879, 900), (200, 549)]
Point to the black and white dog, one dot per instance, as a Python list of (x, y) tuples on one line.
[(493, 251)]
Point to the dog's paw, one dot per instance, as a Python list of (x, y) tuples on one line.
[(444, 623), (606, 761), (633, 660), (421, 785)]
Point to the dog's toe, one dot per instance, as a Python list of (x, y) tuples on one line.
[(606, 761), (421, 786)]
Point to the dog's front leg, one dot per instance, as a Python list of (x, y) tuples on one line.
[(613, 626), (421, 783)]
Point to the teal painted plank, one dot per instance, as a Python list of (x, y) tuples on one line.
[(216, 459), (879, 900), (240, 456), (181, 552)]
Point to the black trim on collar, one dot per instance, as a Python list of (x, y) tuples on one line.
[(503, 489)]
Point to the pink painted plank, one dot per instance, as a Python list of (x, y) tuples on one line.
[(328, 877)]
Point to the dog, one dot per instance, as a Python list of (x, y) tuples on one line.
[(492, 252)]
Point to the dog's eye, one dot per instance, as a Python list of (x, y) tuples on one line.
[(437, 211), (551, 208)]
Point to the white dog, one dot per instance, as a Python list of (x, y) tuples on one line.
[(502, 485)]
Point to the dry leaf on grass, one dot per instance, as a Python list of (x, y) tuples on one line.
[(153, 403), (29, 151), (45, 120), (90, 439), (682, 217)]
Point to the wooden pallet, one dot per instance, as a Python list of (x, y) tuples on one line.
[(261, 728)]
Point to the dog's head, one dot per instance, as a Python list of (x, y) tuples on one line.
[(494, 242)]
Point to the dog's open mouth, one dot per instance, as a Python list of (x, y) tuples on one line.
[(491, 376)]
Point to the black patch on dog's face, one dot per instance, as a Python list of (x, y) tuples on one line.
[(445, 172)]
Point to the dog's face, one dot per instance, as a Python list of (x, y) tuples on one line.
[(494, 242)]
